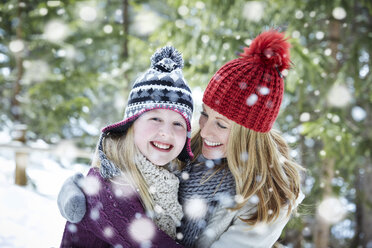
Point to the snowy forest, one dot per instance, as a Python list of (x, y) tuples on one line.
[(66, 68)]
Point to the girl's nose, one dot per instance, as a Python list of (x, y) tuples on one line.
[(165, 130)]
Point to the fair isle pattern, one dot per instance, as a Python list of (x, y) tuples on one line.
[(155, 74), (184, 92), (137, 108)]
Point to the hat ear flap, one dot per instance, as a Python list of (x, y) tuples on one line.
[(107, 168)]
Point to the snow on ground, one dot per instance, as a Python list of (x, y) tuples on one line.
[(29, 216)]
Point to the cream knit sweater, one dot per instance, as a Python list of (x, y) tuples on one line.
[(163, 186), (225, 229)]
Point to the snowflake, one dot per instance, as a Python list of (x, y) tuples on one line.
[(195, 208)]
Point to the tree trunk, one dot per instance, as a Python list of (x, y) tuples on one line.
[(366, 206), (19, 132), (126, 29), (321, 229), (14, 102), (21, 164), (365, 177), (321, 233), (125, 52), (358, 212), (21, 158)]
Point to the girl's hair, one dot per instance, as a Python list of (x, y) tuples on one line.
[(262, 167), (120, 149)]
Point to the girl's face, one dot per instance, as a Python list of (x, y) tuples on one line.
[(215, 132), (160, 135)]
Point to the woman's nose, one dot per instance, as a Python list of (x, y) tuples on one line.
[(206, 129)]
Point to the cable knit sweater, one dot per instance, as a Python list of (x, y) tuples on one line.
[(114, 218)]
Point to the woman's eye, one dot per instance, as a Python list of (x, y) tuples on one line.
[(203, 114), (221, 126), (155, 119)]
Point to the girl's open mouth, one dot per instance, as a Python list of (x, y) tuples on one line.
[(161, 146)]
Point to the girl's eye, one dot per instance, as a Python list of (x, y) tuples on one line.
[(155, 119), (221, 126), (178, 124)]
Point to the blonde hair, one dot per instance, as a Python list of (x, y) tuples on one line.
[(262, 167), (121, 150)]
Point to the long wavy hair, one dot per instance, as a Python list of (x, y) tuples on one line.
[(121, 150), (267, 172)]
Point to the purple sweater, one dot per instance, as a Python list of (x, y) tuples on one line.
[(115, 218)]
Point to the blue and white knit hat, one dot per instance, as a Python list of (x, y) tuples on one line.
[(162, 86)]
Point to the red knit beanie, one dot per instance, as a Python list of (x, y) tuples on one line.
[(249, 90)]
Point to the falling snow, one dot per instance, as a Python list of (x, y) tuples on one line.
[(16, 46), (253, 11), (195, 208), (239, 199), (244, 156), (339, 96), (304, 117), (332, 210), (358, 113), (56, 31), (142, 229), (339, 13), (252, 99), (88, 13), (254, 199), (264, 91)]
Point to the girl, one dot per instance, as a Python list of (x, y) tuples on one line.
[(242, 186), (128, 174)]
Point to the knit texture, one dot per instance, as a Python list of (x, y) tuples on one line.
[(71, 200), (162, 86), (194, 186), (114, 218), (163, 187), (249, 90)]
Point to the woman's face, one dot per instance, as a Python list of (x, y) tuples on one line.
[(215, 132)]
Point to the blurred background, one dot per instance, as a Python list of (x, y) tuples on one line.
[(66, 68)]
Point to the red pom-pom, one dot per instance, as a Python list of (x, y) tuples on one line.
[(270, 48)]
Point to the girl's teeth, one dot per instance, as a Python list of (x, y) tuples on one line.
[(211, 143), (161, 146)]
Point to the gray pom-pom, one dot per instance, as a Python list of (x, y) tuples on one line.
[(166, 59)]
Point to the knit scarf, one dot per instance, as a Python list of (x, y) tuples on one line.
[(163, 187), (195, 191)]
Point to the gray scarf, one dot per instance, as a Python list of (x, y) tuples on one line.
[(200, 196)]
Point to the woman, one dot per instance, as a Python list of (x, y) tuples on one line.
[(242, 184)]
